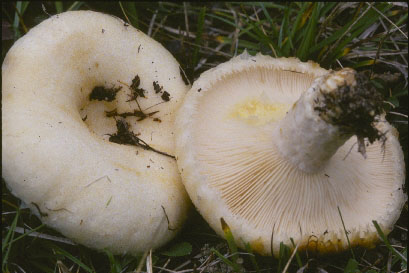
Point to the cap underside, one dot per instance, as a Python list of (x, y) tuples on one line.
[(235, 155)]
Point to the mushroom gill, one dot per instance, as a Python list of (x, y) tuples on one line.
[(238, 164)]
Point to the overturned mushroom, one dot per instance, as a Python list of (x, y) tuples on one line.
[(104, 181), (267, 145)]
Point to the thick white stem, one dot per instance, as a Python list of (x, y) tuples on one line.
[(303, 137)]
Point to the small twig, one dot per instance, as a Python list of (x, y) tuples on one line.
[(127, 137), (167, 219)]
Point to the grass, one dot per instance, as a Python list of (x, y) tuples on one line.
[(370, 37)]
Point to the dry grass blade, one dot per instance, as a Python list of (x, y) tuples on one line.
[(291, 257), (176, 31), (62, 268), (123, 11), (43, 236), (186, 19), (262, 29), (400, 52), (151, 23), (149, 262), (345, 33), (21, 21), (384, 16)]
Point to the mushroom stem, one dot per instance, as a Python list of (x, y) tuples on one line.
[(337, 106)]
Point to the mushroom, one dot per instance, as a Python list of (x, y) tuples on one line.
[(87, 112), (265, 145)]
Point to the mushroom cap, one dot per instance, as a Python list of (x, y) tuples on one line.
[(57, 157), (231, 168)]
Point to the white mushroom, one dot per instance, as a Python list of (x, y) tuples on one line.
[(78, 90), (263, 143)]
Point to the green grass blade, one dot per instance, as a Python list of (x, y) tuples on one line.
[(225, 260), (9, 238), (295, 26), (368, 19), (263, 38), (308, 40), (115, 266), (346, 233), (230, 240), (131, 12), (59, 7), (386, 241), (252, 257), (247, 30), (10, 232), (199, 34), (178, 250), (327, 8), (273, 5), (73, 259), (283, 28), (404, 18), (75, 6), (242, 43), (363, 63), (269, 19), (25, 234), (283, 256), (16, 21), (232, 23), (297, 256), (352, 266)]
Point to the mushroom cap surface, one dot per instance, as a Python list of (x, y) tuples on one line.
[(57, 157), (232, 169)]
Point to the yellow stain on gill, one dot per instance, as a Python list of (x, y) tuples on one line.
[(257, 246), (255, 112)]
